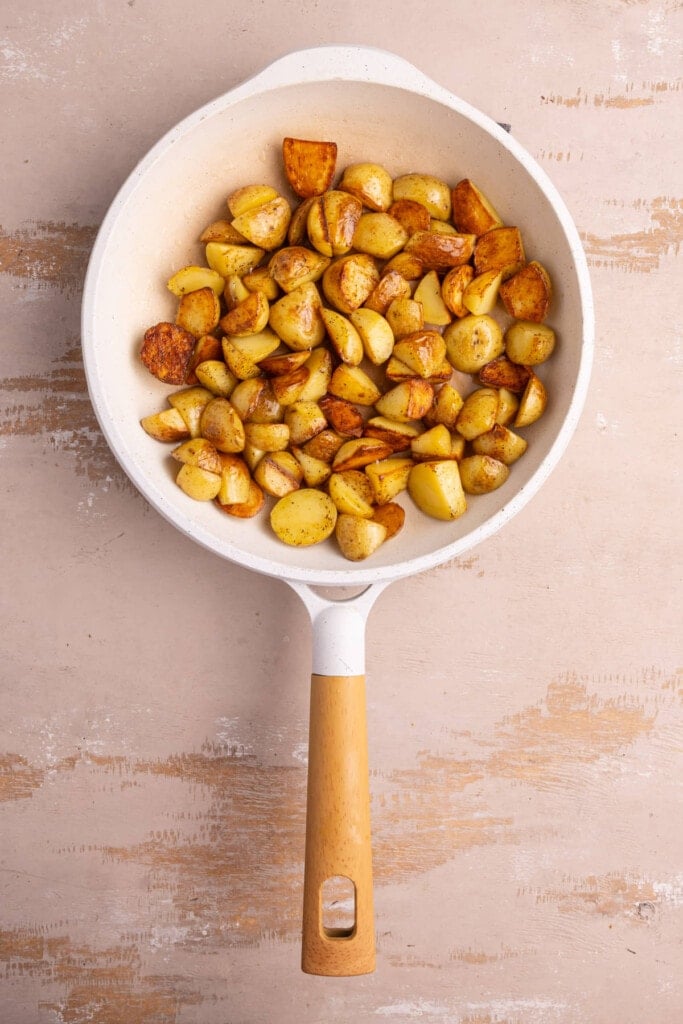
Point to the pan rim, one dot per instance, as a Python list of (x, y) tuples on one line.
[(324, 70)]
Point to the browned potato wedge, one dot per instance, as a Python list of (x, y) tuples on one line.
[(508, 404), (411, 214), (436, 489), (247, 395), (481, 293), (190, 403), (269, 437), (167, 425), (502, 373), (481, 474), (441, 227), (249, 317), (266, 408), (430, 192), (297, 318), (198, 483), (309, 165), (239, 364), (297, 233), (227, 258), (478, 413), (319, 366), (167, 352), (358, 538), (192, 278), (529, 343), (392, 285), (295, 265), (473, 342), (342, 416), (453, 289), (207, 347), (370, 183), (499, 249), (256, 346), (391, 516), (501, 444), (388, 477), (446, 409), (375, 334), (304, 517), (472, 212), (344, 337), (261, 280), (324, 446), (332, 220), (423, 352), (315, 470), (428, 294), (351, 492), (266, 225), (528, 293), (199, 452), (348, 282), (353, 384), (235, 291), (289, 387), (434, 443), (409, 400), (532, 403), (252, 456), (379, 235), (221, 231), (457, 447), (277, 365), (250, 197), (305, 420), (360, 452), (405, 316), (249, 508), (278, 473), (407, 264), (235, 480), (397, 435), (221, 425), (437, 251)]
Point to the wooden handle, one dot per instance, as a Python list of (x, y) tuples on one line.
[(338, 827)]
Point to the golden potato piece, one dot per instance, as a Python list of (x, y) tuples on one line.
[(411, 214), (529, 343), (226, 258), (305, 420), (344, 337), (499, 249), (481, 474), (192, 278), (502, 373), (190, 403), (397, 435), (353, 384), (199, 312), (261, 280), (256, 346), (198, 483), (246, 509), (407, 264), (207, 347), (528, 293), (277, 365), (375, 333), (315, 470), (391, 286), (478, 413), (501, 444), (250, 197), (360, 452), (297, 233), (236, 480), (167, 425), (324, 446), (446, 409), (472, 212), (370, 183), (409, 400), (392, 517), (297, 318), (221, 425), (405, 316), (429, 191), (453, 289), (358, 538), (269, 437), (343, 416), (288, 388), (437, 490), (423, 352), (379, 235), (221, 231), (348, 282), (319, 366), (434, 443), (532, 403), (309, 165), (248, 317), (266, 225), (437, 251), (304, 517), (508, 404), (389, 477), (296, 265), (239, 364), (167, 351), (199, 452), (481, 293), (428, 294), (331, 222), (351, 492), (473, 342), (278, 474)]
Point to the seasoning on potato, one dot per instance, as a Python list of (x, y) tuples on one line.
[(360, 344)]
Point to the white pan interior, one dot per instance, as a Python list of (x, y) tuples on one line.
[(152, 230)]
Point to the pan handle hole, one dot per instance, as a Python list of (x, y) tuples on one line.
[(338, 907)]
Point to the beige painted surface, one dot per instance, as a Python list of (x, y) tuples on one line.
[(524, 703)]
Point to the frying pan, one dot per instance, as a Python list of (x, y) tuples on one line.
[(377, 107)]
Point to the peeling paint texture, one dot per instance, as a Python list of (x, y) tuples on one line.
[(525, 706)]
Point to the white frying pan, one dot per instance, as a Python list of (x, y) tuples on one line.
[(376, 107)]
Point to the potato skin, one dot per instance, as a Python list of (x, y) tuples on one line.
[(167, 351)]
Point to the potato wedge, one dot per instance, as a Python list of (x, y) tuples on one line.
[(206, 347), (315, 470), (405, 316), (198, 452), (411, 214), (353, 384), (478, 413), (508, 404), (397, 435), (192, 278), (437, 490), (221, 231), (423, 352), (331, 222), (360, 452), (167, 425), (199, 312), (235, 480), (227, 258), (429, 191), (529, 343), (527, 295), (434, 443), (248, 317), (392, 517), (437, 251), (342, 416), (453, 289), (261, 280), (269, 437), (375, 334), (167, 352), (481, 474), (502, 373), (348, 282), (309, 165), (428, 294), (198, 483), (190, 403), (246, 509), (235, 291), (250, 197), (358, 538), (289, 388), (391, 285), (471, 210), (500, 249), (473, 342), (256, 346), (379, 235), (296, 265), (349, 495), (344, 337), (297, 234), (304, 517), (246, 396), (481, 293), (305, 420), (237, 362), (446, 408), (297, 318), (279, 364), (319, 366), (221, 425), (265, 226), (409, 400), (278, 474), (407, 264), (501, 444), (324, 446), (389, 477), (533, 402), (370, 183)]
